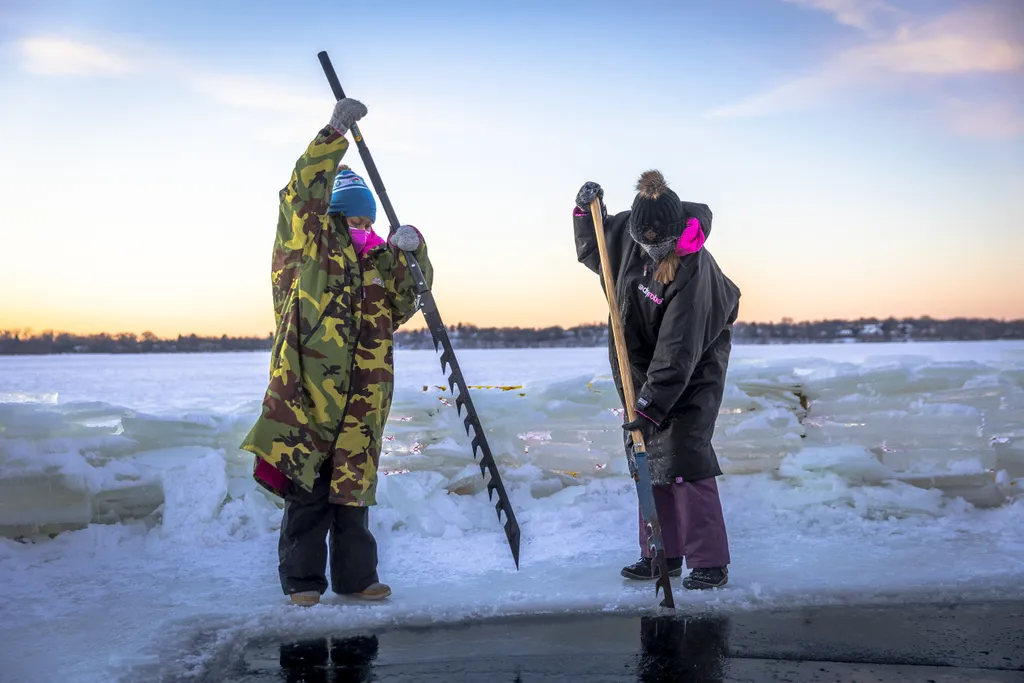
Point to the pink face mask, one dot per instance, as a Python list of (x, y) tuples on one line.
[(364, 240)]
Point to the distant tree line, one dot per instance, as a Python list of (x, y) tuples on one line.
[(879, 330), (473, 337), (24, 342), (13, 342), (785, 332)]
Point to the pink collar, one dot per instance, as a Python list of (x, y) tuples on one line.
[(364, 240), (692, 239)]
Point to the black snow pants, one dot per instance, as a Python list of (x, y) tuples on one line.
[(302, 548)]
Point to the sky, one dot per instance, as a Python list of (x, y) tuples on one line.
[(860, 157)]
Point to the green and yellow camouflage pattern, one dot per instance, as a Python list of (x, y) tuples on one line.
[(332, 363)]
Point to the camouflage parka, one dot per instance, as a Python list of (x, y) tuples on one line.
[(332, 363)]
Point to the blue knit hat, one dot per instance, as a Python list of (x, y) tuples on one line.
[(351, 197)]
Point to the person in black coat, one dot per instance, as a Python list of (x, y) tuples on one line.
[(678, 310)]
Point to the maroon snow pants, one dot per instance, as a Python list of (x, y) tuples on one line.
[(692, 524)]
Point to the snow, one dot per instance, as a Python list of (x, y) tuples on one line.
[(854, 472)]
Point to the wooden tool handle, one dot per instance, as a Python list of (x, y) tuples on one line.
[(618, 332)]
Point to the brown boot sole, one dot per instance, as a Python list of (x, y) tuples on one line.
[(369, 595), (305, 600)]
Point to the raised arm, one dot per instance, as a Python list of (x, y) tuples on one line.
[(587, 252), (307, 196)]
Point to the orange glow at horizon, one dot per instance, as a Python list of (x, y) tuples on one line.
[(580, 308), (873, 172)]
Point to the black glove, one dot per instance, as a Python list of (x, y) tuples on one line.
[(646, 427), (587, 193)]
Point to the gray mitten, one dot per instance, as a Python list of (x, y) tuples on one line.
[(346, 112), (406, 238)]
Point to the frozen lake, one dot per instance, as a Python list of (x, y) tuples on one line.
[(225, 381), (854, 473)]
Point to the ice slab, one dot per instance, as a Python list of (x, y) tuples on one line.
[(948, 424)]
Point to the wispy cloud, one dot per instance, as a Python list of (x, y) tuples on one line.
[(978, 39), (866, 15), (274, 110), (50, 56), (55, 56)]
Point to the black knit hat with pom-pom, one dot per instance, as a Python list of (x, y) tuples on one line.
[(657, 218)]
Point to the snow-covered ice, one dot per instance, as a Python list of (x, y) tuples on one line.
[(853, 473)]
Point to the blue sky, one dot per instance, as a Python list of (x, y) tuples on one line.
[(861, 157)]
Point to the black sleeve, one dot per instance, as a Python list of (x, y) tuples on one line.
[(587, 252), (679, 348)]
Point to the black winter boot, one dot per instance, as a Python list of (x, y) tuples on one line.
[(712, 577), (645, 569)]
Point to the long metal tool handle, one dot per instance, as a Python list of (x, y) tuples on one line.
[(442, 342), (644, 490), (364, 152)]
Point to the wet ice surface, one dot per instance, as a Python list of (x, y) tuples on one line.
[(910, 642), (853, 473)]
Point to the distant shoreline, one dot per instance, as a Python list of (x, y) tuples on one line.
[(875, 342), (889, 330)]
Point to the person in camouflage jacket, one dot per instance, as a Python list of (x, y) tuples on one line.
[(339, 293)]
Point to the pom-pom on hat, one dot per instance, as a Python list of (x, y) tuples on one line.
[(657, 218)]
